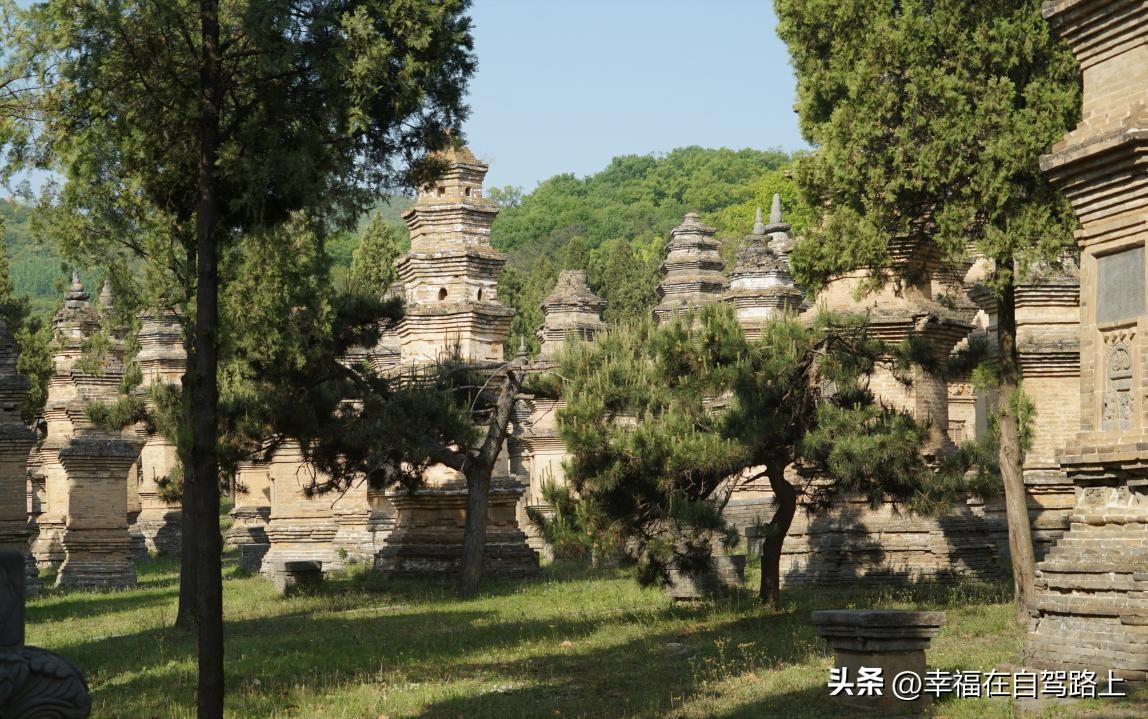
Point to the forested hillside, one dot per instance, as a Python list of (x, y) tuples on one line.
[(614, 224), (35, 266)]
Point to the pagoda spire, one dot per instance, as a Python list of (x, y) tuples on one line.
[(758, 225)]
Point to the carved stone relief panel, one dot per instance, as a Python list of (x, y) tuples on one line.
[(1117, 411)]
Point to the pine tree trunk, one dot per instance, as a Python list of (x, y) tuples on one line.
[(778, 527), (205, 400), (1011, 457), (185, 617), (474, 534), (478, 474)]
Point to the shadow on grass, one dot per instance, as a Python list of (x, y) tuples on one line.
[(151, 576), (504, 659)]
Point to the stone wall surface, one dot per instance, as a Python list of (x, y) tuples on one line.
[(162, 360), (1089, 609), (16, 442)]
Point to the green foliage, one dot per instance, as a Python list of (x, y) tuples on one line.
[(615, 223), (323, 99), (661, 420), (120, 414), (373, 262), (33, 264), (929, 117), (568, 526), (35, 362)]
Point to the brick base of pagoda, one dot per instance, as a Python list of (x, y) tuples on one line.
[(428, 536), (1090, 608)]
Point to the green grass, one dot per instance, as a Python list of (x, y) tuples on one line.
[(574, 643)]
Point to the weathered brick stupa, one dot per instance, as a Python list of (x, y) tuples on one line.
[(1048, 342), (449, 280), (450, 276), (571, 312), (250, 514), (692, 271), (1090, 608), (73, 324), (852, 541), (761, 289), (331, 528), (760, 285), (16, 441), (162, 360), (89, 464)]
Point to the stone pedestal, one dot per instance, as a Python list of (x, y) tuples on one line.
[(723, 573), (894, 641), (291, 577), (428, 535), (251, 515), (97, 545)]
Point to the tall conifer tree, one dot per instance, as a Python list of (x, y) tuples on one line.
[(928, 118), (228, 117)]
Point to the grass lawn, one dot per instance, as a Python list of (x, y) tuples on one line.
[(574, 643)]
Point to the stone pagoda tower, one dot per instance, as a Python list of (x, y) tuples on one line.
[(163, 361), (85, 467), (449, 277), (449, 280), (570, 310), (16, 441), (73, 324), (329, 528), (1089, 609), (903, 310), (251, 513), (854, 541), (760, 286), (692, 271)]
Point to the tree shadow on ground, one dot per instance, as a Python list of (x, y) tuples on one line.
[(349, 635), (642, 677)]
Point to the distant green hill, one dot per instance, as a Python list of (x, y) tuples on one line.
[(35, 265), (614, 224)]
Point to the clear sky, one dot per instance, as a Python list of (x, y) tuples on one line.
[(565, 85)]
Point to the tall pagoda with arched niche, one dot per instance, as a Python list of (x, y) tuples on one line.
[(450, 275)]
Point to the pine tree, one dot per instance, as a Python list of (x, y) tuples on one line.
[(661, 423), (373, 261), (928, 118), (260, 110)]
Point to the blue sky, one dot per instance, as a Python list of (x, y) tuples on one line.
[(564, 86)]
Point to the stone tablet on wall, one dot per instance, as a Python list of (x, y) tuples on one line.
[(1120, 285)]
